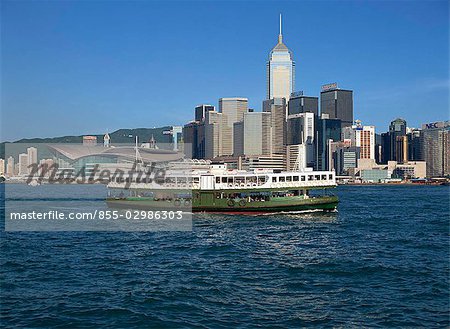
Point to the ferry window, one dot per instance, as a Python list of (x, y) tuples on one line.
[(262, 179), (217, 180), (274, 179), (224, 179), (230, 179), (324, 177), (330, 176), (196, 179), (282, 179), (317, 177), (296, 178), (302, 178), (288, 179), (310, 177)]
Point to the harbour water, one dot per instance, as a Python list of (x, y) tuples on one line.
[(381, 260)]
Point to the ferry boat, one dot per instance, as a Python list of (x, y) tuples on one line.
[(220, 190)]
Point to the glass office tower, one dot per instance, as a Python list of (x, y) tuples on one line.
[(280, 71)]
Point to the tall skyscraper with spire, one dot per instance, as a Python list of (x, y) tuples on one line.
[(280, 71)]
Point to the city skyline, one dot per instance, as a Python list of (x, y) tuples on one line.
[(48, 99)]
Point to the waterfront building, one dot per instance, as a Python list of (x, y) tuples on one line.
[(274, 142), (328, 130), (200, 111), (298, 103), (374, 175), (275, 162), (10, 167), (89, 140), (362, 137), (280, 71), (408, 170), (337, 103), (23, 164), (436, 148)]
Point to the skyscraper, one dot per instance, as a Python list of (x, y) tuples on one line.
[(389, 140), (436, 148), (277, 139), (251, 134), (200, 111), (362, 137), (298, 103), (280, 71), (218, 135), (300, 130), (328, 130), (232, 110), (401, 149), (337, 103)]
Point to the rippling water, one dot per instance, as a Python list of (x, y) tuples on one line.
[(381, 260)]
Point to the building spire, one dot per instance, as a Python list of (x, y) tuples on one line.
[(280, 36)]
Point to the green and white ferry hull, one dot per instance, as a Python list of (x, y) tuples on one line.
[(218, 190)]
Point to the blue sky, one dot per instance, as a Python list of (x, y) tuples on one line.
[(80, 67)]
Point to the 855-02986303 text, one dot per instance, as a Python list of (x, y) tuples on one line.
[(97, 215)]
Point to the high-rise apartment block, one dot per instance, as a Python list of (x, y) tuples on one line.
[(10, 167), (32, 155), (23, 164)]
